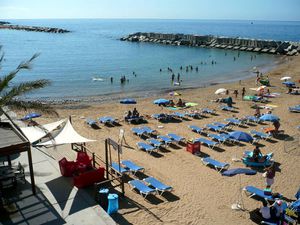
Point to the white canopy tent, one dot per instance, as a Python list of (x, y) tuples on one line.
[(35, 133), (67, 135)]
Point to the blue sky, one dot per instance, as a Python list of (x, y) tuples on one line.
[(284, 10)]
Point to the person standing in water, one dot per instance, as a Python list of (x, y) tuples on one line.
[(178, 77), (173, 77)]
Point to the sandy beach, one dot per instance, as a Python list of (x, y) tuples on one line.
[(201, 195)]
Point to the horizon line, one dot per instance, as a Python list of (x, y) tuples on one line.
[(116, 18)]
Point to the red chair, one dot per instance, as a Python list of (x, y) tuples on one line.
[(89, 177), (83, 161), (67, 168)]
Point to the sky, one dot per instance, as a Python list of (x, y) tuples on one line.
[(282, 10)]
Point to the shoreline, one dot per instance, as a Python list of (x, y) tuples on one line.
[(140, 95)]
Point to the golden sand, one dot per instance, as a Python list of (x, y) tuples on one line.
[(201, 195)]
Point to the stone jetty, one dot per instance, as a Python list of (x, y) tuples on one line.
[(210, 41), (6, 25)]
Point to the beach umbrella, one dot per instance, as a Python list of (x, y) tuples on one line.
[(269, 117), (289, 83), (236, 171), (261, 88), (161, 101), (220, 91), (31, 116), (128, 101), (241, 136), (285, 78)]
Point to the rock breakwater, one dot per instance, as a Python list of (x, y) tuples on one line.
[(210, 41), (6, 25)]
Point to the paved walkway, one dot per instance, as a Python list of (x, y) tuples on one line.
[(57, 200)]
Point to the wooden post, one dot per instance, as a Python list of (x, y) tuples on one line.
[(94, 159), (31, 171), (106, 159)]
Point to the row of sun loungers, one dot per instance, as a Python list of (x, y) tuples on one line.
[(149, 185), (161, 140), (127, 167)]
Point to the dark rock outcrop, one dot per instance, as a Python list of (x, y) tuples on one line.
[(32, 28)]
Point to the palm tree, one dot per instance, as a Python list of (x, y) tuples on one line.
[(9, 94)]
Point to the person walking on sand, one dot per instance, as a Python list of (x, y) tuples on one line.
[(235, 92), (269, 175), (243, 92)]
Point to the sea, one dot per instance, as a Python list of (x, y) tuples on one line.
[(81, 64)]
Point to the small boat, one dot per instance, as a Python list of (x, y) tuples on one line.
[(97, 79)]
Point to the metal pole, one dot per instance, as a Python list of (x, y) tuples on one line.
[(106, 159), (31, 171)]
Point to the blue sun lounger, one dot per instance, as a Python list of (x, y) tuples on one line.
[(214, 128), (227, 108), (194, 115), (294, 109), (138, 131), (222, 125), (219, 166), (162, 117), (148, 130), (119, 169), (207, 111), (132, 167), (159, 186), (253, 191), (107, 120), (252, 119), (260, 134), (197, 129), (176, 138), (143, 189), (166, 140), (220, 139), (227, 136), (144, 146), (234, 121), (178, 115), (156, 143), (209, 143), (91, 122)]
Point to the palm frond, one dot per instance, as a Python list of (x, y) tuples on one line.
[(27, 65), (21, 89), (37, 106), (4, 82)]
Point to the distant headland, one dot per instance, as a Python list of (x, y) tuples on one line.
[(240, 44), (7, 25)]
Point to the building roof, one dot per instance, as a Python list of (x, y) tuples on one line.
[(11, 140)]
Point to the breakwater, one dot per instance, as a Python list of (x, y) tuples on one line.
[(7, 25), (210, 41)]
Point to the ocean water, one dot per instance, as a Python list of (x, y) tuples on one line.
[(93, 49)]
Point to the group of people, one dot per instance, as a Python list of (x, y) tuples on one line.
[(180, 103), (133, 114)]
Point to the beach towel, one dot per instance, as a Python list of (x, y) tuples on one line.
[(191, 104)]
